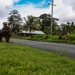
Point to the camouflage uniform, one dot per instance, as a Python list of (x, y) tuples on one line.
[(0, 35), (68, 36), (6, 32), (60, 36)]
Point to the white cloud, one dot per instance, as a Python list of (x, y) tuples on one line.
[(70, 2), (64, 12), (64, 9), (7, 2), (30, 9), (5, 7), (41, 3)]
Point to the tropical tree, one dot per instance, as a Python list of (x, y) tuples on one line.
[(68, 27), (63, 28), (15, 21), (32, 23), (46, 21), (72, 27), (56, 28), (29, 23), (46, 24)]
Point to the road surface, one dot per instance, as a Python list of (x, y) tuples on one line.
[(65, 49)]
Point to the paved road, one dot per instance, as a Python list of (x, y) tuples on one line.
[(66, 49)]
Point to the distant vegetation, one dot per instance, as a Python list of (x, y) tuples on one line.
[(23, 60), (54, 38), (42, 22)]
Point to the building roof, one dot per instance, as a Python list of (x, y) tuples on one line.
[(32, 32)]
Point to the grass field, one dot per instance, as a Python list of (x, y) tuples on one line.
[(23, 60), (53, 38)]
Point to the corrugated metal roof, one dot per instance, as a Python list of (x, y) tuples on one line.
[(32, 32)]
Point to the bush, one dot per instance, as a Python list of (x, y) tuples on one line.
[(72, 37)]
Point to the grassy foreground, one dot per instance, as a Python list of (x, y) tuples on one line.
[(23, 60)]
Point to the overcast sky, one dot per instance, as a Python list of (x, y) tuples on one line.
[(64, 9)]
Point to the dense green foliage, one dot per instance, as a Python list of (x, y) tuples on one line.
[(68, 27), (14, 21), (23, 60), (42, 22), (54, 38)]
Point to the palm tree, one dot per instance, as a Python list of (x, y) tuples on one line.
[(46, 23), (72, 27), (30, 23)]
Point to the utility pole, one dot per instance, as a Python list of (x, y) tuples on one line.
[(52, 15)]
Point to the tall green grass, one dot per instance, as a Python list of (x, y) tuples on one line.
[(24, 60)]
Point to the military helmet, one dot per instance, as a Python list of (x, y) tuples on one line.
[(5, 23)]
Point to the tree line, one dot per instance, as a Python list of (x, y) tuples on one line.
[(42, 22)]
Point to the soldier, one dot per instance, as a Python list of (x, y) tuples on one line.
[(0, 35), (60, 36), (6, 32), (67, 36)]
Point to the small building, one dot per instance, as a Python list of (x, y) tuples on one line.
[(27, 32)]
